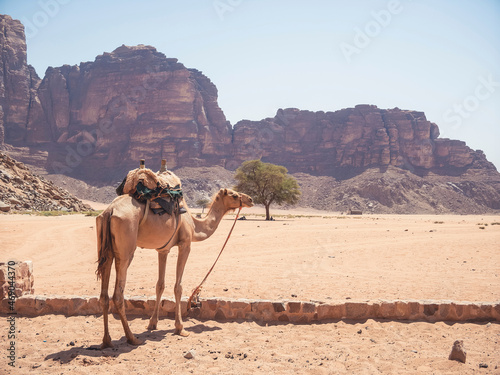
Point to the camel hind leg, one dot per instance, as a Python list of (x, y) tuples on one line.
[(119, 300), (124, 245), (105, 259), (104, 300)]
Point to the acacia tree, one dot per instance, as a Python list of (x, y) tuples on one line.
[(203, 203), (267, 184)]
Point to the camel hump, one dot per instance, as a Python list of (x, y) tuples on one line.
[(149, 179), (140, 175)]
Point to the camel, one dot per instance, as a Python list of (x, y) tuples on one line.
[(125, 224)]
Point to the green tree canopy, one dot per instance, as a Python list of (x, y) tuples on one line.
[(267, 184), (203, 203)]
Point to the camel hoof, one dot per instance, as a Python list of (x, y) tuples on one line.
[(106, 345), (181, 332), (135, 342), (151, 327)]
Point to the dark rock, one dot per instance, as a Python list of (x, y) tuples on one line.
[(4, 207), (458, 352)]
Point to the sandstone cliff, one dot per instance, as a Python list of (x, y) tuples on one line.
[(339, 142), (18, 81), (129, 104)]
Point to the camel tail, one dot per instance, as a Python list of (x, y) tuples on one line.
[(104, 243)]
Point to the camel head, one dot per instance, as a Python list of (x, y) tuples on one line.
[(233, 200)]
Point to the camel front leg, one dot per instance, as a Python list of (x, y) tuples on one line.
[(118, 299), (181, 263), (160, 287)]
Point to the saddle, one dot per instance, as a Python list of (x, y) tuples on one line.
[(162, 190)]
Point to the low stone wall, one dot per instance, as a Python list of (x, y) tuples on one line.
[(268, 311), (16, 277)]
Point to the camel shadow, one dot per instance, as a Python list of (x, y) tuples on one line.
[(120, 346)]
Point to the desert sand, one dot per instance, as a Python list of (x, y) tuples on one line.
[(302, 255)]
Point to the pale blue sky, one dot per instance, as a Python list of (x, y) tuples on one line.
[(437, 56)]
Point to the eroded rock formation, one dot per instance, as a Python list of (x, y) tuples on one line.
[(129, 104), (364, 136), (18, 81)]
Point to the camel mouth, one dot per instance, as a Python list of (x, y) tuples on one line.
[(246, 201)]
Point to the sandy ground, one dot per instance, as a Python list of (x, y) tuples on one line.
[(311, 255)]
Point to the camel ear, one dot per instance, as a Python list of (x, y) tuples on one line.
[(225, 191)]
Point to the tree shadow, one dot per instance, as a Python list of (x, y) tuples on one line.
[(121, 346)]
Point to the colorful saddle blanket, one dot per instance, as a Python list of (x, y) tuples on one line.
[(162, 189)]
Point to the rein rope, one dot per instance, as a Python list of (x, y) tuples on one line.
[(196, 292)]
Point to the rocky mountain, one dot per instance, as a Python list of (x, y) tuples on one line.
[(129, 104), (21, 190), (344, 142), (95, 120), (393, 190), (18, 81)]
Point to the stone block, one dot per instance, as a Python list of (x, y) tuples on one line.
[(471, 311), (486, 311), (76, 306), (92, 306), (333, 312), (283, 318), (445, 312), (356, 310), (26, 305), (401, 310), (459, 311), (58, 305), (23, 279), (496, 312), (260, 306), (294, 307), (308, 308), (136, 306), (386, 310), (430, 310), (240, 305), (414, 310), (167, 306), (279, 307), (4, 306), (211, 304), (219, 315), (263, 310)]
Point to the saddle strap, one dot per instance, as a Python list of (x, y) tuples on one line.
[(146, 211)]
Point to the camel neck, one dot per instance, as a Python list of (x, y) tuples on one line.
[(204, 228)]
